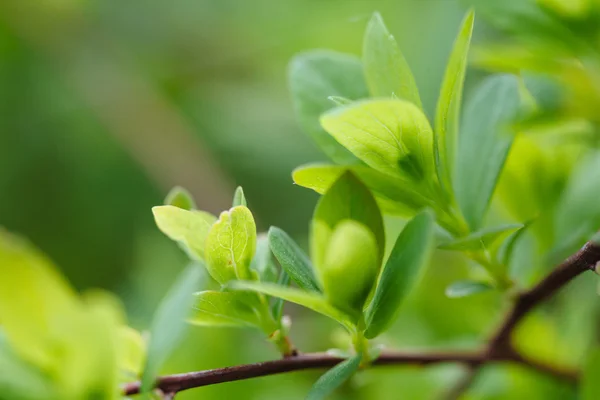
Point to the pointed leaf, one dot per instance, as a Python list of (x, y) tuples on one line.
[(230, 245), (180, 197), (238, 198), (168, 324), (262, 262), (311, 300), (486, 138), (392, 136), (334, 378), (313, 78), (481, 239), (467, 288), (449, 103), (506, 249), (189, 228), (277, 307), (293, 260), (212, 308), (401, 272), (386, 70)]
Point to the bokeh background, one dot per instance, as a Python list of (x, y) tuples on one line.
[(107, 104)]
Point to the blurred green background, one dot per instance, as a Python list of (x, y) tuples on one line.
[(105, 105)]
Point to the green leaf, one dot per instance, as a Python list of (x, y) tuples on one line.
[(230, 245), (391, 136), (506, 249), (481, 239), (334, 378), (486, 138), (339, 101), (394, 195), (180, 197), (401, 272), (189, 228), (212, 308), (347, 199), (313, 78), (238, 198), (590, 384), (292, 259), (467, 288), (386, 70), (311, 300), (168, 324), (350, 267), (449, 103), (262, 262), (277, 307)]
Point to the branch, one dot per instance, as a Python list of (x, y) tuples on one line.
[(498, 349)]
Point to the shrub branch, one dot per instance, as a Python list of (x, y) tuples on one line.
[(499, 348)]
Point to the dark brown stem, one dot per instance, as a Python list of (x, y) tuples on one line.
[(498, 349)]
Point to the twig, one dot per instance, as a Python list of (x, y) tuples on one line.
[(498, 349)]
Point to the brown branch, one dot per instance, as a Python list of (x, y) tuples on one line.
[(498, 349)]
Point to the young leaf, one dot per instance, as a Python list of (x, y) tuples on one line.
[(449, 103), (590, 384), (313, 78), (230, 245), (334, 378), (394, 195), (189, 228), (311, 300), (212, 308), (401, 272), (339, 101), (481, 239), (238, 198), (347, 199), (386, 70), (292, 259), (486, 137), (277, 307), (180, 197), (467, 288), (168, 324), (392, 136), (506, 249), (262, 262), (132, 351)]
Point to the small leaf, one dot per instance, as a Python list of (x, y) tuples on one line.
[(347, 199), (313, 78), (339, 101), (238, 198), (277, 307), (449, 103), (311, 300), (292, 259), (230, 245), (506, 249), (189, 228), (180, 197), (132, 351), (486, 138), (334, 378), (481, 239), (262, 262), (392, 136), (168, 324), (467, 288), (401, 272), (386, 70), (212, 308), (590, 384)]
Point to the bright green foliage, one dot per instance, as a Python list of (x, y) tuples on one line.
[(334, 378), (189, 228), (292, 259), (485, 140), (590, 386), (392, 136), (314, 77), (238, 198), (467, 288), (169, 323), (386, 70), (447, 114), (180, 197), (401, 272), (213, 308), (480, 240), (230, 245)]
